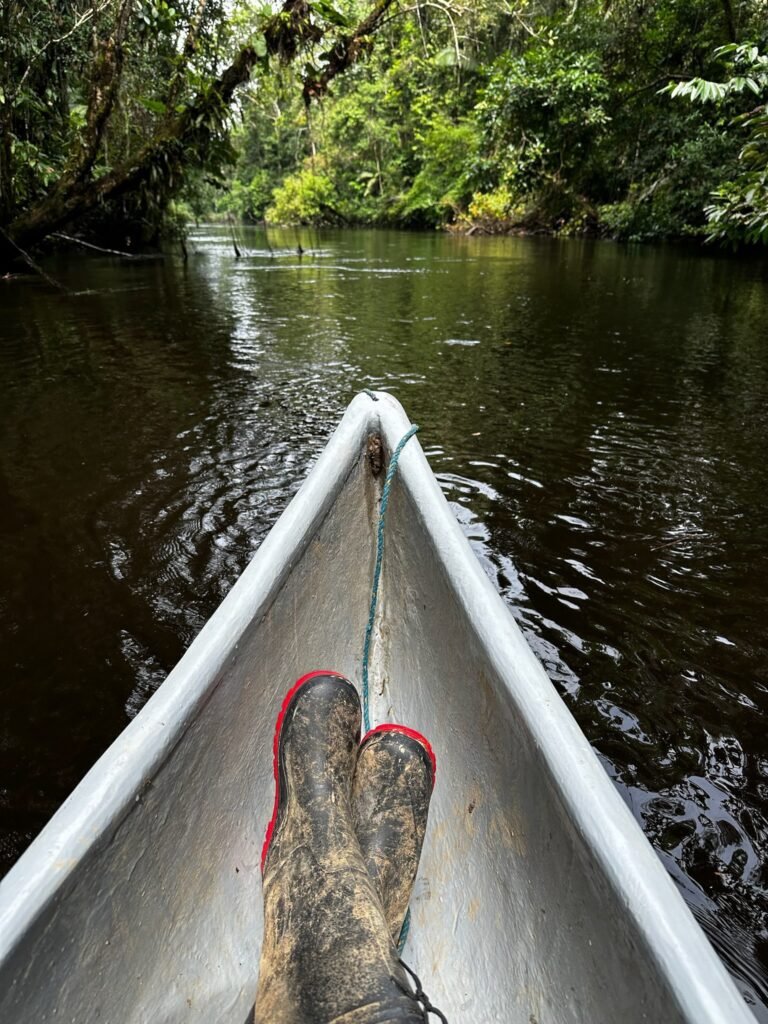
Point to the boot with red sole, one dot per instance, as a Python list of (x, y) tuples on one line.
[(327, 955), (391, 791)]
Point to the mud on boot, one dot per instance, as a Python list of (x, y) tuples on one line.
[(392, 788), (327, 956)]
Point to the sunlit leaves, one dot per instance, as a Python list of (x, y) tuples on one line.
[(739, 211), (699, 89)]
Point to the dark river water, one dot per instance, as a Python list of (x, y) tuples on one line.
[(596, 415)]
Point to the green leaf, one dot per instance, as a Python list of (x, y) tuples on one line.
[(331, 14), (154, 106), (448, 58)]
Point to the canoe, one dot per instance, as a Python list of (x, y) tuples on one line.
[(538, 901)]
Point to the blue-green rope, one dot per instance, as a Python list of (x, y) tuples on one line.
[(377, 569), (403, 937), (372, 611)]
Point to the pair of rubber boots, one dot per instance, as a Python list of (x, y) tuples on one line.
[(339, 861)]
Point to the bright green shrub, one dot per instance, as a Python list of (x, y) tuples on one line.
[(306, 197)]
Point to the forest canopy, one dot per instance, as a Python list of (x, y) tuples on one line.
[(631, 119), (111, 109)]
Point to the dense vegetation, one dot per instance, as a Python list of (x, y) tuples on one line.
[(627, 118), (536, 115), (109, 109)]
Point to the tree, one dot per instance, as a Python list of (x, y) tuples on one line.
[(518, 115), (393, 139), (739, 211), (542, 114), (505, 114), (114, 98)]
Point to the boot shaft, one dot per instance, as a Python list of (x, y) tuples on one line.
[(327, 956), (392, 788)]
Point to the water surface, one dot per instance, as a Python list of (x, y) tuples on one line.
[(596, 415)]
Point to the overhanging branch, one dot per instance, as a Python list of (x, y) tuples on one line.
[(187, 135), (346, 51)]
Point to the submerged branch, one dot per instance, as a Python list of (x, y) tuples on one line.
[(33, 266), (97, 248)]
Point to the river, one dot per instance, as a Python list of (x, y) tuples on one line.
[(597, 416)]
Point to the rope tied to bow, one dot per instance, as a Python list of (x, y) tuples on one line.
[(385, 491)]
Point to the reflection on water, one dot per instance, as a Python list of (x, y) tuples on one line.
[(597, 416)]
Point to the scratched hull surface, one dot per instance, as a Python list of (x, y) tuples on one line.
[(538, 897)]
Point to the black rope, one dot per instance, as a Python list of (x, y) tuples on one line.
[(421, 996)]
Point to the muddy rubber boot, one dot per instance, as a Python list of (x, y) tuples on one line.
[(394, 778), (327, 956)]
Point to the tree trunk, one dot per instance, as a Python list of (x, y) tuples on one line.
[(105, 81), (80, 196), (7, 201), (730, 22), (7, 198), (188, 134)]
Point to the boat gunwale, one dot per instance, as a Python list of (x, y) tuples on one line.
[(683, 954), (107, 793)]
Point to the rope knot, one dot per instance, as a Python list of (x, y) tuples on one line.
[(420, 995)]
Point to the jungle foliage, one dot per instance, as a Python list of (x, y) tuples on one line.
[(739, 210), (534, 115), (629, 118), (110, 110)]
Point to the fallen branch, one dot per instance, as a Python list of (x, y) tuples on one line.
[(190, 128), (98, 248), (182, 138), (34, 266)]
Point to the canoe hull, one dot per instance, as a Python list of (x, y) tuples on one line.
[(538, 897)]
